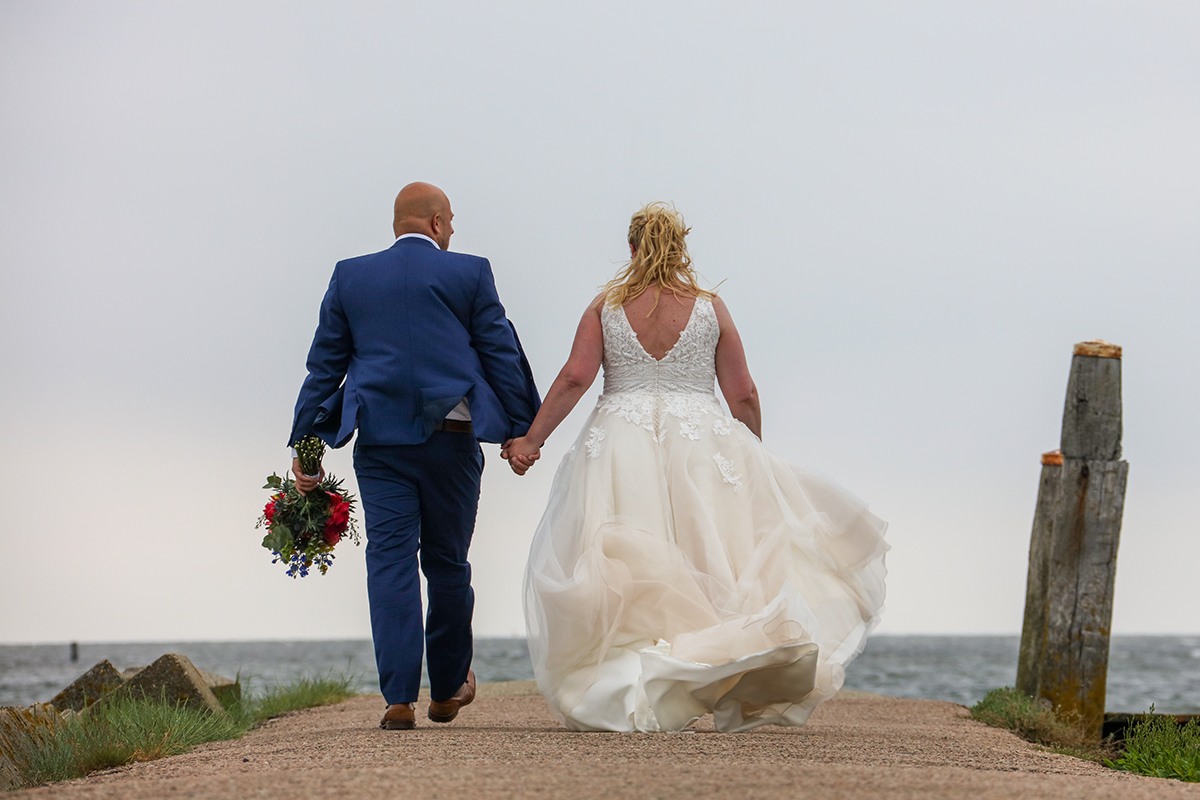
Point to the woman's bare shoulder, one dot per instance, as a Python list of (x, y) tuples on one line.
[(721, 309)]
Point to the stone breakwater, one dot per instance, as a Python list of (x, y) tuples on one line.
[(172, 678)]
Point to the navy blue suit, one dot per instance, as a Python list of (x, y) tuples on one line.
[(404, 335)]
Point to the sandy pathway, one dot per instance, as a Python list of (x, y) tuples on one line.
[(508, 745)]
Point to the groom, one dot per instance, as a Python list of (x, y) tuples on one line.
[(413, 348)]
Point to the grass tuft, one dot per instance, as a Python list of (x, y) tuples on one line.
[(1161, 747), (303, 693), (117, 733), (1037, 723), (121, 732)]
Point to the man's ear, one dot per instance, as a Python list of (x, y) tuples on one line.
[(436, 224)]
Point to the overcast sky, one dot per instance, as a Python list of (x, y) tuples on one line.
[(916, 209)]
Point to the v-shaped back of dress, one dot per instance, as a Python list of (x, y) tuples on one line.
[(688, 367)]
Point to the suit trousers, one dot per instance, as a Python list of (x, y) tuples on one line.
[(420, 502)]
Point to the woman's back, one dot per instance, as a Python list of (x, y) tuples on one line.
[(658, 327), (683, 359)]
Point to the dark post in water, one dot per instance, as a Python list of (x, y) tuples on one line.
[(1073, 549)]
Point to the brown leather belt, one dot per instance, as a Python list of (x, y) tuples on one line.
[(455, 426)]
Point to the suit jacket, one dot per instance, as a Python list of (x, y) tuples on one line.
[(405, 334)]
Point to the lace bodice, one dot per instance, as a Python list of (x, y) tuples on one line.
[(649, 392), (688, 368)]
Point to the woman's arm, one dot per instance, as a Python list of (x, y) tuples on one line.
[(733, 374), (573, 380)]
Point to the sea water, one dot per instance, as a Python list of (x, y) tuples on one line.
[(1163, 671)]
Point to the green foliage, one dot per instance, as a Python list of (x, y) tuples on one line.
[(1034, 722), (1161, 747), (278, 539), (303, 693), (120, 732)]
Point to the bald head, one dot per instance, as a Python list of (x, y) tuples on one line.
[(424, 208)]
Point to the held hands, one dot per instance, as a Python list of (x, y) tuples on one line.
[(520, 454), (306, 483)]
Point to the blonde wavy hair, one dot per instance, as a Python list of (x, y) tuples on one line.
[(660, 259)]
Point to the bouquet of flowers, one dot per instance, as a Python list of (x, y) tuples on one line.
[(303, 529)]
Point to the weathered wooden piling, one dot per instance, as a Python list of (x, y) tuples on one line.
[(1073, 547)]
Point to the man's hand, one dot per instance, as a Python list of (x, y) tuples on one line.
[(521, 453), (306, 483)]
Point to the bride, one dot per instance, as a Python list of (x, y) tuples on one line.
[(681, 568)]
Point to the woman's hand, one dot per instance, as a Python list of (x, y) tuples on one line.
[(306, 483), (520, 453)]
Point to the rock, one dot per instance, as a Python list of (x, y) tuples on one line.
[(19, 728), (226, 690), (174, 679), (89, 687)]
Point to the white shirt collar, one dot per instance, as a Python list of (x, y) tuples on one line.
[(419, 236)]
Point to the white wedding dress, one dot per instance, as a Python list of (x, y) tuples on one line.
[(682, 569)]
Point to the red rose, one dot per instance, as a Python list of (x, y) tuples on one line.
[(338, 519), (269, 511), (339, 514)]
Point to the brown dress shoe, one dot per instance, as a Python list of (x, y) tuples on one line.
[(447, 710), (399, 717)]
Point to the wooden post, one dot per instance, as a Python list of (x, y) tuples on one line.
[(1073, 548)]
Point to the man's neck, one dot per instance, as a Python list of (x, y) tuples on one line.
[(415, 235)]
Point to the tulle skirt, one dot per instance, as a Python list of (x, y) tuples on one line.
[(682, 569)]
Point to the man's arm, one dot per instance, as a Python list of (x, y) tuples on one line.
[(493, 339), (328, 359)]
